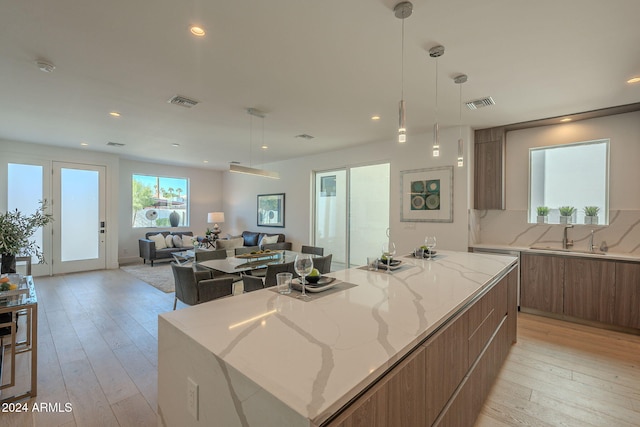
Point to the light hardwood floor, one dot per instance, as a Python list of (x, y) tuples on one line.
[(98, 351)]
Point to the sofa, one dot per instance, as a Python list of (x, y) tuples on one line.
[(249, 238), (151, 249)]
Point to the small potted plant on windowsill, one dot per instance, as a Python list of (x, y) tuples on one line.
[(591, 214), (566, 214), (543, 214)]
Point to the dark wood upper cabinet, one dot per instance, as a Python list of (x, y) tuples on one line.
[(489, 169)]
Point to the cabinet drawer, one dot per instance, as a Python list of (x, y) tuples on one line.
[(485, 316)]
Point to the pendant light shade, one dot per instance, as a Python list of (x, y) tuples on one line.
[(436, 52), (459, 80), (402, 10)]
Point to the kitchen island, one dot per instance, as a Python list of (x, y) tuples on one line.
[(418, 346)]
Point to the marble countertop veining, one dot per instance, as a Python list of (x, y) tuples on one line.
[(315, 356)]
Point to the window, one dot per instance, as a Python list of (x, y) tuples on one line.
[(159, 201), (574, 175)]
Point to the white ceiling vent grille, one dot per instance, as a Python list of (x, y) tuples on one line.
[(479, 103), (115, 144), (183, 101)]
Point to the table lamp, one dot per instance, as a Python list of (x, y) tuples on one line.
[(214, 218)]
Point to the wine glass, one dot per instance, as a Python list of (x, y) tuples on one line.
[(303, 266), (388, 251), (430, 243)]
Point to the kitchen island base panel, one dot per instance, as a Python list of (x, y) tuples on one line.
[(444, 381)]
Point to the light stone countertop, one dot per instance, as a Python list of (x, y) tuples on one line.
[(315, 356), (553, 250)]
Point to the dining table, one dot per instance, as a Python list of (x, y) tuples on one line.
[(246, 263)]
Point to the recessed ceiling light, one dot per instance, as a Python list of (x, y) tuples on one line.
[(566, 119), (84, 144), (205, 161), (375, 118), (114, 114), (264, 147), (197, 31), (175, 144), (634, 80)]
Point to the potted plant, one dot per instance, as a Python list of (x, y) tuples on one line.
[(543, 213), (566, 214), (16, 230), (591, 214)]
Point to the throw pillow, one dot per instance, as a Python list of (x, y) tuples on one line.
[(188, 240), (229, 244), (158, 239), (169, 241), (268, 239), (177, 241)]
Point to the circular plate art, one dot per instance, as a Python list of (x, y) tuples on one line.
[(417, 202), (433, 202)]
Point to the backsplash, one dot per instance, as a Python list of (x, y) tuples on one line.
[(510, 228)]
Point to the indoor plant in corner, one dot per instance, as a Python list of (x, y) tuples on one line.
[(543, 214), (566, 214), (16, 230), (591, 214)]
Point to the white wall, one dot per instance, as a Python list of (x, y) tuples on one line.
[(296, 182), (205, 195)]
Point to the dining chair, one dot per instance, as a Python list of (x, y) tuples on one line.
[(195, 287), (273, 269), (252, 283), (246, 250), (27, 263), (314, 250), (278, 246), (209, 255), (323, 264)]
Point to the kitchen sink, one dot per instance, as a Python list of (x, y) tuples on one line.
[(577, 251)]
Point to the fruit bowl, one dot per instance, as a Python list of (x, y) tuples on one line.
[(313, 279)]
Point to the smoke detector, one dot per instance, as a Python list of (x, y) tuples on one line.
[(45, 66), (479, 103), (183, 101)]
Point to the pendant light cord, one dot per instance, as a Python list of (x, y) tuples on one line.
[(460, 113), (402, 65)]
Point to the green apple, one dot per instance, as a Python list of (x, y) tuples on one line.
[(314, 273)]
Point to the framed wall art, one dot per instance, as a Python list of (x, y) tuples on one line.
[(271, 210), (427, 195)]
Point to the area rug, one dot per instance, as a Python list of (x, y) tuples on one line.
[(160, 276)]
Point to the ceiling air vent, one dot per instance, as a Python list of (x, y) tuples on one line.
[(183, 101), (479, 103), (115, 144), (305, 136)]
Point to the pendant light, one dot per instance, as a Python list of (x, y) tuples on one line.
[(436, 52), (402, 10), (251, 170), (459, 80)]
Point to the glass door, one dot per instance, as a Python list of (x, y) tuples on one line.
[(351, 214), (79, 212)]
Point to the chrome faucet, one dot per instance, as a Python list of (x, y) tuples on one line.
[(566, 243), (592, 246)]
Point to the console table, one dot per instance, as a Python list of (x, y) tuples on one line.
[(18, 342)]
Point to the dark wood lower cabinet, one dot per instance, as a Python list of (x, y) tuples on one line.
[(445, 380), (626, 311), (589, 289), (541, 283)]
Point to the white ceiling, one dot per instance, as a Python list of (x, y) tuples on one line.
[(317, 67)]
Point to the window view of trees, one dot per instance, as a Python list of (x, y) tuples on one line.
[(159, 201)]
